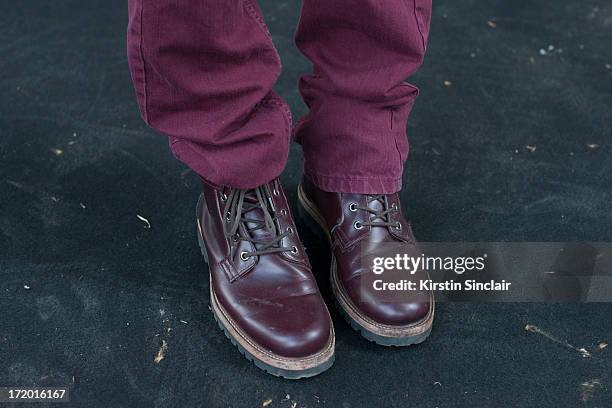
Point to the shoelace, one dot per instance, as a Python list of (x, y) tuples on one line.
[(379, 218), (234, 210)]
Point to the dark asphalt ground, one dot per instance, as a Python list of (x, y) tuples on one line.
[(88, 294)]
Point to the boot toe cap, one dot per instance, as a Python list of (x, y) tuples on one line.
[(296, 327), (392, 310)]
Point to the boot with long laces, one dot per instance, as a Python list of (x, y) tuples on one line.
[(262, 291)]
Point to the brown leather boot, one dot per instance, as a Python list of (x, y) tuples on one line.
[(262, 291), (351, 223)]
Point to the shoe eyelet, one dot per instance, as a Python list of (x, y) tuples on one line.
[(394, 207), (358, 225), (290, 230), (228, 217), (283, 212), (275, 192), (244, 256), (236, 238), (352, 207), (398, 226), (294, 250), (223, 196)]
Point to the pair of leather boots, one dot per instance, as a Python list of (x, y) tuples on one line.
[(262, 290)]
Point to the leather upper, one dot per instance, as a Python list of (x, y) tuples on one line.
[(349, 242), (273, 298)]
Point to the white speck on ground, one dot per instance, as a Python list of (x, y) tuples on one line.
[(535, 329), (161, 353), (143, 219), (550, 50), (588, 388)]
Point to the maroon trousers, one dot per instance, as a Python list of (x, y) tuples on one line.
[(204, 72)]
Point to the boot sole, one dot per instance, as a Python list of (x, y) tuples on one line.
[(278, 366), (384, 335)]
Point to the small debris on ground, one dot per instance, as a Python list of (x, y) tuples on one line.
[(447, 83), (587, 389), (182, 321), (585, 353), (550, 50), (602, 345), (82, 205), (266, 402), (161, 353), (592, 145), (491, 23), (26, 287), (535, 329), (143, 219), (608, 66), (531, 148), (56, 151)]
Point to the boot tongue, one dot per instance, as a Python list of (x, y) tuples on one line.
[(377, 233), (376, 205), (258, 217)]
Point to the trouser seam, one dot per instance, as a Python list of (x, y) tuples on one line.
[(275, 100), (352, 178), (144, 66), (418, 24), (355, 184), (255, 15)]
